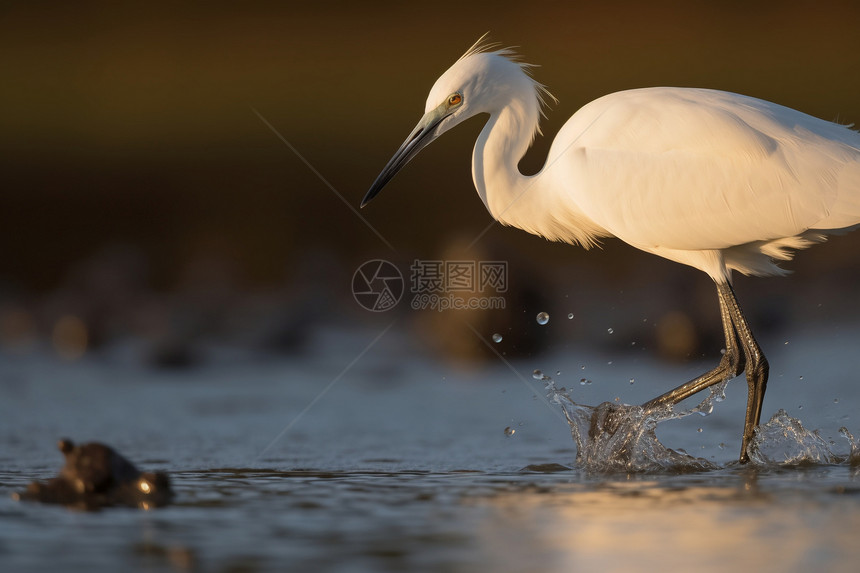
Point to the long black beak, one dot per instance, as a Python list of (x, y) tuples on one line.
[(423, 134)]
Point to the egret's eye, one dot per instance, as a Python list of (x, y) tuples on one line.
[(455, 99)]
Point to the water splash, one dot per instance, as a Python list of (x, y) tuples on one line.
[(854, 455), (613, 437), (783, 440)]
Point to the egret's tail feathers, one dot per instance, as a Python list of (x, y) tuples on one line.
[(759, 257), (783, 249)]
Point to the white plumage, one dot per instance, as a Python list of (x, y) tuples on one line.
[(711, 179)]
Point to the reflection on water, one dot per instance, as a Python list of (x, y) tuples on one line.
[(713, 523)]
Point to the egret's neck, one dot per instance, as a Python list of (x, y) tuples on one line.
[(501, 145), (540, 204)]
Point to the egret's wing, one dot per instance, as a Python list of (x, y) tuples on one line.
[(702, 169)]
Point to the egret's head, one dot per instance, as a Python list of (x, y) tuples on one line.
[(481, 81)]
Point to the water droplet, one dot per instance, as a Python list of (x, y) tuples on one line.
[(542, 318), (632, 380), (609, 331), (699, 430), (570, 316), (786, 342), (836, 400), (558, 372), (497, 337), (582, 367), (722, 446), (537, 375), (800, 377), (800, 407), (509, 431)]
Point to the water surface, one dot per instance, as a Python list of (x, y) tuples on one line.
[(403, 464)]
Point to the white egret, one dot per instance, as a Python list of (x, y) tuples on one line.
[(710, 179)]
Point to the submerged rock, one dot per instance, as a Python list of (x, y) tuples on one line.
[(95, 476)]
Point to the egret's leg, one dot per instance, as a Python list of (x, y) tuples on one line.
[(731, 364), (742, 354), (757, 367)]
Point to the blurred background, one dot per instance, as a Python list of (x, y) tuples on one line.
[(147, 211)]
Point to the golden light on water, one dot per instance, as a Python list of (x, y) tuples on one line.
[(657, 528)]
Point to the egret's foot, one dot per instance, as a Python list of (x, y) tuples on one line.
[(607, 419)]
